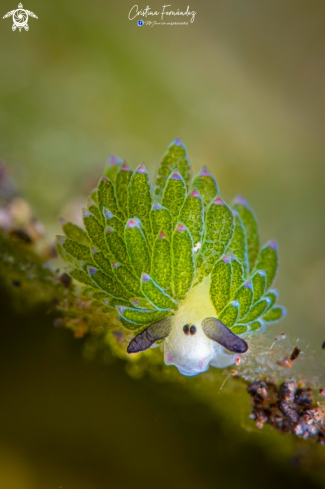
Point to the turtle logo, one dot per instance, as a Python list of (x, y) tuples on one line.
[(20, 18)]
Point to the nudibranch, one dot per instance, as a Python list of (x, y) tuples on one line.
[(173, 263)]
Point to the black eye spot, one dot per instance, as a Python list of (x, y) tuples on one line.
[(186, 329), (192, 330)]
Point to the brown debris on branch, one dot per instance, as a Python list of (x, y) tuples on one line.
[(288, 408)]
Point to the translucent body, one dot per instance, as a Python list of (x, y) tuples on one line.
[(192, 354)]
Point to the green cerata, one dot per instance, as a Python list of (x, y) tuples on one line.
[(174, 263)]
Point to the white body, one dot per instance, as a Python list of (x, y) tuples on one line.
[(194, 354)]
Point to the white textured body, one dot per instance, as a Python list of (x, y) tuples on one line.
[(193, 354)]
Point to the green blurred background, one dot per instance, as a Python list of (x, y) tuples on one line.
[(243, 87)]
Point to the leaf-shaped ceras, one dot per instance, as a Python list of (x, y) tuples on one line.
[(173, 264)]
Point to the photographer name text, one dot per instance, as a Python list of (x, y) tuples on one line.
[(166, 14)]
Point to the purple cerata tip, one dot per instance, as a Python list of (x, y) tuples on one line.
[(273, 245), (205, 172), (109, 229), (125, 167), (180, 227), (93, 250), (107, 213), (114, 160), (145, 277), (176, 175), (92, 271), (225, 259), (135, 302), (121, 309), (104, 179), (162, 234), (115, 264), (218, 201), (240, 200), (141, 168), (194, 193), (261, 272), (156, 206), (177, 142), (86, 213), (235, 213), (248, 285), (133, 223)]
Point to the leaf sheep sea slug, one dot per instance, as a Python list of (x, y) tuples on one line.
[(175, 262)]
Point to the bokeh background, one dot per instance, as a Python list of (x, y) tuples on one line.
[(243, 87)]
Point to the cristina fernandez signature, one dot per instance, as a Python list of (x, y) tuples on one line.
[(134, 12)]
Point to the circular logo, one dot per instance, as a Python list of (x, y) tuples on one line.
[(20, 17), (140, 22)]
